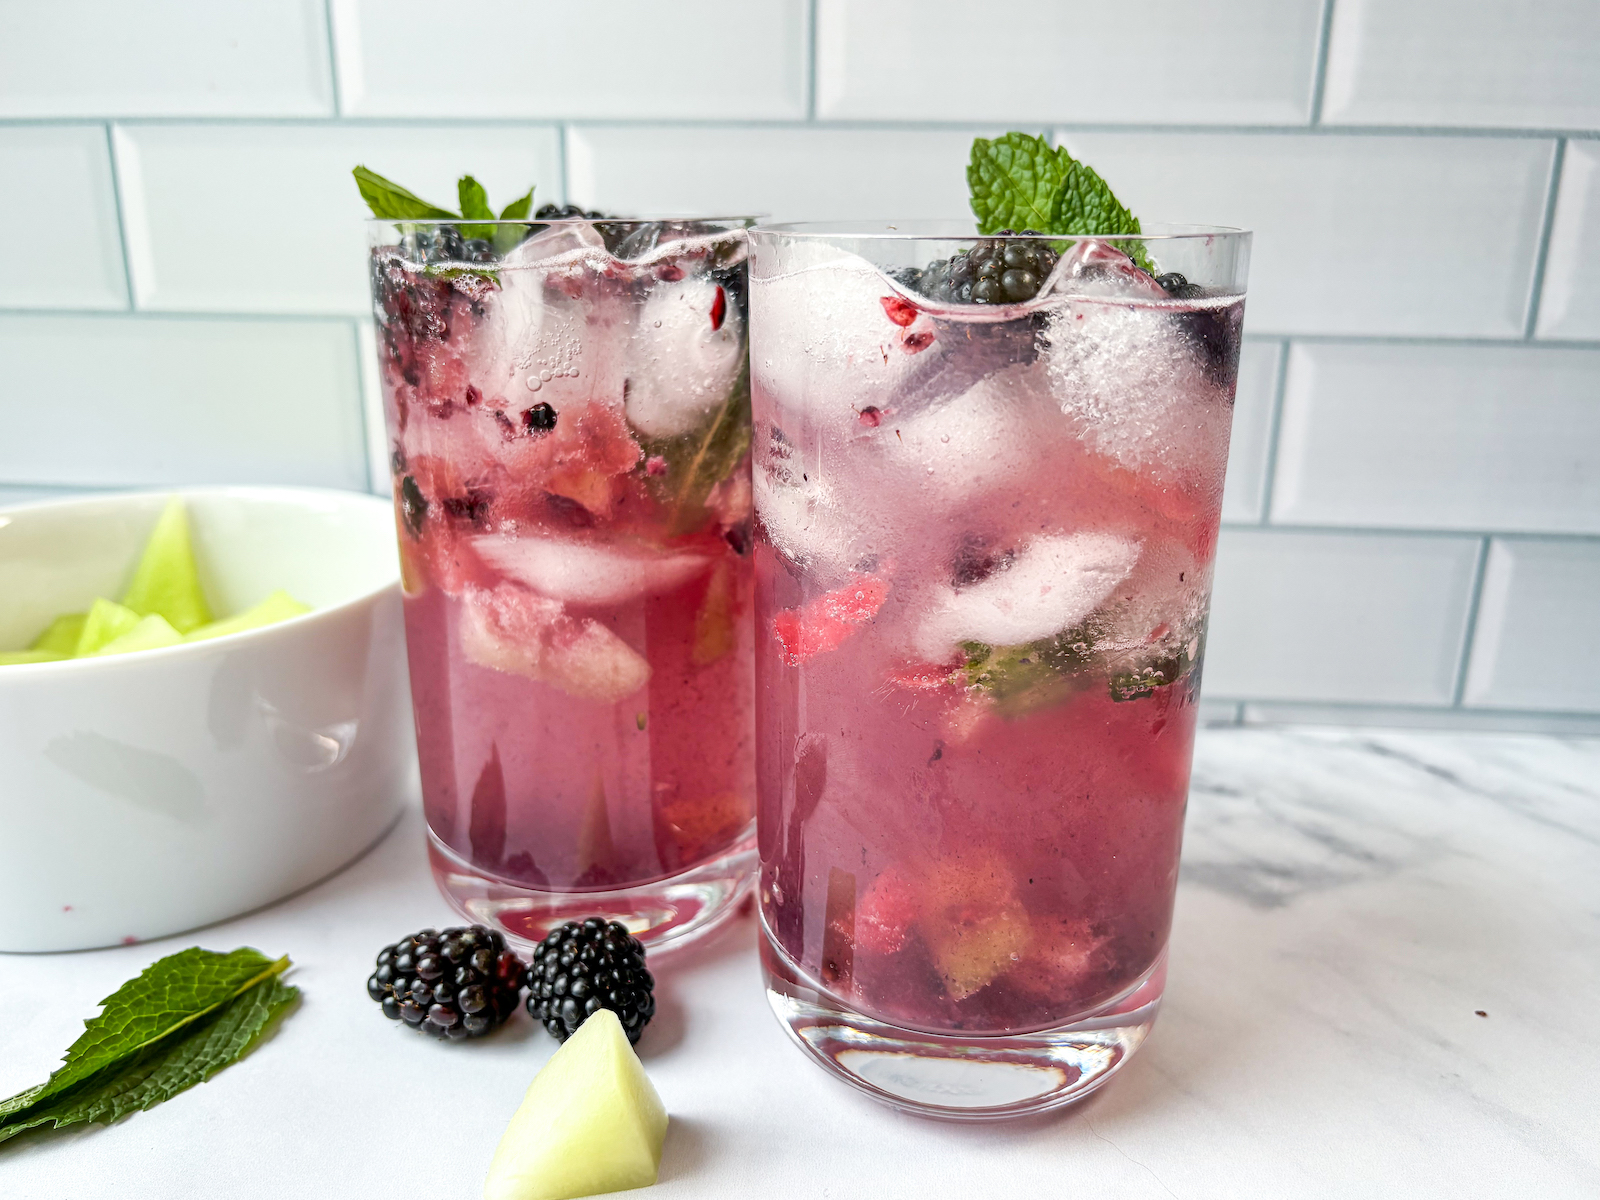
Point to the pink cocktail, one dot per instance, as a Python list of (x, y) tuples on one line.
[(985, 535), (568, 411)]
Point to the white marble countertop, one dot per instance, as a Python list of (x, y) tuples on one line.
[(1385, 981)]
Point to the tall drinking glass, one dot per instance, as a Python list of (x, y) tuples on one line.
[(988, 480), (567, 405)]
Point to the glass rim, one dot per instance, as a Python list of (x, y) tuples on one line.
[(945, 230), (745, 221)]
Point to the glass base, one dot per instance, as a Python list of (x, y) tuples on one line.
[(664, 915), (961, 1077)]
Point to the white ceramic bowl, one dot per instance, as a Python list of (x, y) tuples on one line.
[(143, 794)]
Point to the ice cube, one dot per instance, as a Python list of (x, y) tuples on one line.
[(1096, 268), (1145, 397), (962, 447), (510, 629), (823, 340), (805, 524), (588, 574), (1050, 584), (685, 354), (556, 331)]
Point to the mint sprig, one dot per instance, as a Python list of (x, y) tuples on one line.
[(390, 201), (180, 1022), (1019, 181)]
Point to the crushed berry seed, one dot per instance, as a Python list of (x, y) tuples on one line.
[(474, 396), (655, 465), (916, 342), (870, 416), (719, 308)]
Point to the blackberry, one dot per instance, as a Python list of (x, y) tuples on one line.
[(565, 212), (413, 505), (581, 968), (1002, 270), (1178, 287), (447, 245), (457, 984), (541, 418)]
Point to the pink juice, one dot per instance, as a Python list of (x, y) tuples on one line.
[(983, 558), (569, 430)]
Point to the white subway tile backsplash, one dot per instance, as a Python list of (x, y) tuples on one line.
[(1249, 62), (59, 204), (1440, 437), (1569, 306), (1535, 646), (102, 401), (1338, 617), (1387, 235), (1250, 446), (266, 218), (704, 59), (78, 58), (816, 174), (1489, 63)]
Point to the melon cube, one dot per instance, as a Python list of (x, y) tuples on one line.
[(591, 1122)]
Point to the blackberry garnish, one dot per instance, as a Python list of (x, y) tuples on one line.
[(581, 968), (1178, 287), (447, 245), (1003, 270), (565, 212), (457, 984), (541, 418)]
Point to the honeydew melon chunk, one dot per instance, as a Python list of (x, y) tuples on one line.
[(107, 621), (61, 638), (167, 582), (591, 1122), (10, 658), (151, 633), (279, 606)]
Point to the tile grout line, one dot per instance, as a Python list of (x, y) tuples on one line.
[(1319, 75), (1412, 531), (122, 224), (333, 59), (1439, 132), (1269, 476), (1470, 636), (811, 60), (1542, 254)]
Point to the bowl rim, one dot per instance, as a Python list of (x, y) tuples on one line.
[(226, 641)]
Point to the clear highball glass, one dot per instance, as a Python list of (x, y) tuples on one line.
[(988, 480)]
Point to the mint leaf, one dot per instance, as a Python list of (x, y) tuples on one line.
[(475, 207), (162, 1070), (1022, 182), (1020, 679), (474, 200), (168, 1000), (698, 462), (519, 209), (1014, 182), (506, 237), (390, 201)]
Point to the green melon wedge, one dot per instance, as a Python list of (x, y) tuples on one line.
[(61, 638), (166, 582), (151, 633), (12, 658), (279, 606), (106, 622), (591, 1122)]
